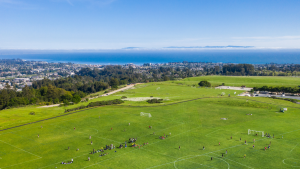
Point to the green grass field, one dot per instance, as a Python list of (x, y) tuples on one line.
[(249, 81), (194, 121)]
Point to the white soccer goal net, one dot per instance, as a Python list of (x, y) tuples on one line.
[(256, 132), (145, 114)]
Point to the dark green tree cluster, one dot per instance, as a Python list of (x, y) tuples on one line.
[(238, 69), (151, 101), (98, 103), (278, 89), (204, 83), (46, 95)]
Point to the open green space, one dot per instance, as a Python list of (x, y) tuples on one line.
[(189, 116), (248, 81)]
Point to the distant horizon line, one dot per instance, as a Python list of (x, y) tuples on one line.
[(170, 48)]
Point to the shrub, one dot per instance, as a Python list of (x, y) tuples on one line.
[(32, 113), (155, 101), (98, 103), (204, 84), (123, 97)]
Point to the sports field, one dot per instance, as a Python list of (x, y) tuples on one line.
[(190, 117)]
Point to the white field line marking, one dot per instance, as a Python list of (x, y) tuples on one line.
[(289, 164), (224, 161), (177, 159), (211, 132), (21, 149), (21, 163), (290, 132), (294, 147), (236, 162), (182, 159), (137, 149)]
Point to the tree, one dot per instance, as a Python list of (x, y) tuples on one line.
[(113, 83), (76, 99), (204, 84)]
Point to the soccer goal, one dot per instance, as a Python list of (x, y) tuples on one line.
[(255, 132), (145, 114)]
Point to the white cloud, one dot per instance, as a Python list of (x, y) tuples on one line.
[(267, 37)]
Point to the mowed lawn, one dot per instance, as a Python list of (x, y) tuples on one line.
[(248, 81), (171, 92), (192, 125)]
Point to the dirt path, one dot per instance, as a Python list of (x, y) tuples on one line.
[(53, 105), (124, 88)]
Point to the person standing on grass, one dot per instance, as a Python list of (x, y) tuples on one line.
[(74, 128), (91, 142), (244, 155), (231, 137), (281, 136), (68, 148), (90, 137), (170, 134), (219, 143), (253, 146), (253, 140), (203, 148), (211, 158), (128, 124), (89, 158), (226, 151), (110, 128), (179, 147), (240, 139), (245, 142), (222, 155), (265, 148), (38, 135)]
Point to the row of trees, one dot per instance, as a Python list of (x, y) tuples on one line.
[(278, 89), (45, 94), (97, 103)]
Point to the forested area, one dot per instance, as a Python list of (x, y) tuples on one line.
[(45, 95), (87, 81)]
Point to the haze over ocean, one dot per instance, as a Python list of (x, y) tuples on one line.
[(140, 57)]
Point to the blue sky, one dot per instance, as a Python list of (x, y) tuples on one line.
[(148, 24)]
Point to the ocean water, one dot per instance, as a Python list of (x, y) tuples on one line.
[(141, 57)]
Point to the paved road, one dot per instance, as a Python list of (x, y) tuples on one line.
[(290, 97)]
